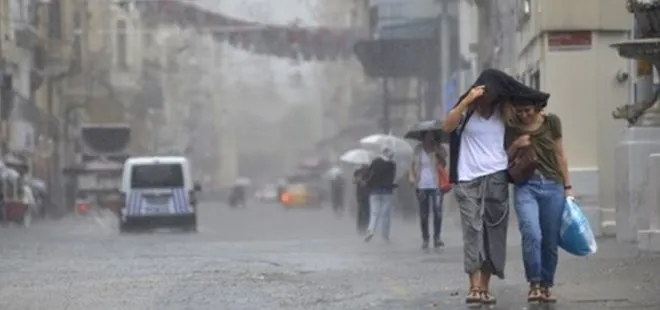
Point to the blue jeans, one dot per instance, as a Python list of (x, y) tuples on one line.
[(539, 204), (380, 203), (430, 203)]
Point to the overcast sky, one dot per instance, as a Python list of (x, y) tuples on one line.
[(268, 11), (248, 68)]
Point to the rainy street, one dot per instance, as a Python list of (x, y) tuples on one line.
[(264, 257)]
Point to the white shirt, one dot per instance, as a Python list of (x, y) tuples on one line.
[(426, 172), (28, 197), (482, 147)]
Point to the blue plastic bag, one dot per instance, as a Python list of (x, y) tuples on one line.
[(576, 236)]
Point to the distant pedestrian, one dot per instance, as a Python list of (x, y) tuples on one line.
[(428, 157), (237, 196), (539, 198), (337, 193), (362, 197), (380, 181)]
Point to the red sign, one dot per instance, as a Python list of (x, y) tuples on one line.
[(569, 40)]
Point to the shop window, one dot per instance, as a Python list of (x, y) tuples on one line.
[(535, 80)]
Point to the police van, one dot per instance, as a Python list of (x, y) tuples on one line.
[(158, 192)]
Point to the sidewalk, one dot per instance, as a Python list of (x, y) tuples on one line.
[(617, 277)]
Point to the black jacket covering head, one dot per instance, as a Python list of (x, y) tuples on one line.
[(499, 87)]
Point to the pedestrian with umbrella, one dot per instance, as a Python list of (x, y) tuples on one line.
[(478, 169), (381, 184), (429, 158), (361, 158)]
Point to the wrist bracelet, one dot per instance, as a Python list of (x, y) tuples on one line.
[(568, 187)]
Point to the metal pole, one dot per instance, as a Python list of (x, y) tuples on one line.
[(386, 107), (444, 50), (49, 180)]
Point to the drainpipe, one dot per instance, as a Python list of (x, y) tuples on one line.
[(386, 107), (443, 43), (50, 181)]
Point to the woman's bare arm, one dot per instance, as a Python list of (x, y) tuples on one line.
[(517, 144), (511, 151), (456, 114)]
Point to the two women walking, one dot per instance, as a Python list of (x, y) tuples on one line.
[(486, 141)]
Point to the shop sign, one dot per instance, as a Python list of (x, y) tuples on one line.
[(569, 41)]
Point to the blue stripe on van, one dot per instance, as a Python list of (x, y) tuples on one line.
[(139, 205)]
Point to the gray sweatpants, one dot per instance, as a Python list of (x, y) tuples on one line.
[(484, 207)]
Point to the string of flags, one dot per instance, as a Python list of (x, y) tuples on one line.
[(293, 42)]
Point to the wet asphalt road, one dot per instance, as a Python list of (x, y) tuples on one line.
[(256, 258)]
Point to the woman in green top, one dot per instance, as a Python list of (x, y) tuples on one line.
[(539, 201)]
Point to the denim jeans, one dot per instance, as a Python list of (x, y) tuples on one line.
[(430, 202), (380, 204), (362, 212), (539, 204)]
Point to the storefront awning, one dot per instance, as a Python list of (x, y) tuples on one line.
[(421, 28), (398, 58)]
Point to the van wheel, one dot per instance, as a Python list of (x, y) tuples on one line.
[(123, 227)]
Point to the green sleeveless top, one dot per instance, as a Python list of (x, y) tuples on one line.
[(543, 142)]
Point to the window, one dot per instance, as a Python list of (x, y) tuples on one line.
[(122, 61), (524, 12), (373, 20), (157, 176), (54, 19), (77, 43), (390, 11), (535, 80)]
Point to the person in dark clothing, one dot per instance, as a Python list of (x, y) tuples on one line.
[(237, 196), (362, 196), (380, 183), (337, 193)]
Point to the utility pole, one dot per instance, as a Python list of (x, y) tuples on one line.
[(386, 107), (443, 42)]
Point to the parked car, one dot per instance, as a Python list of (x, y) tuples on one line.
[(300, 195), (268, 194)]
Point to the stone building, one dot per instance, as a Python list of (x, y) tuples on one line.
[(563, 47)]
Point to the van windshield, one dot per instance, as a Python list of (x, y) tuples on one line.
[(157, 176)]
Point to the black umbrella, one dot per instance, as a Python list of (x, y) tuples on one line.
[(417, 131)]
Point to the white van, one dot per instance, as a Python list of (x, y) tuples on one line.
[(157, 192)]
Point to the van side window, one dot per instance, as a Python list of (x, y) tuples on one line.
[(157, 176)]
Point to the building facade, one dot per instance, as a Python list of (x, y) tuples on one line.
[(349, 96), (568, 54), (563, 47)]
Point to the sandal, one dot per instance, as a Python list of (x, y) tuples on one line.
[(535, 294), (487, 298), (546, 296), (473, 296)]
